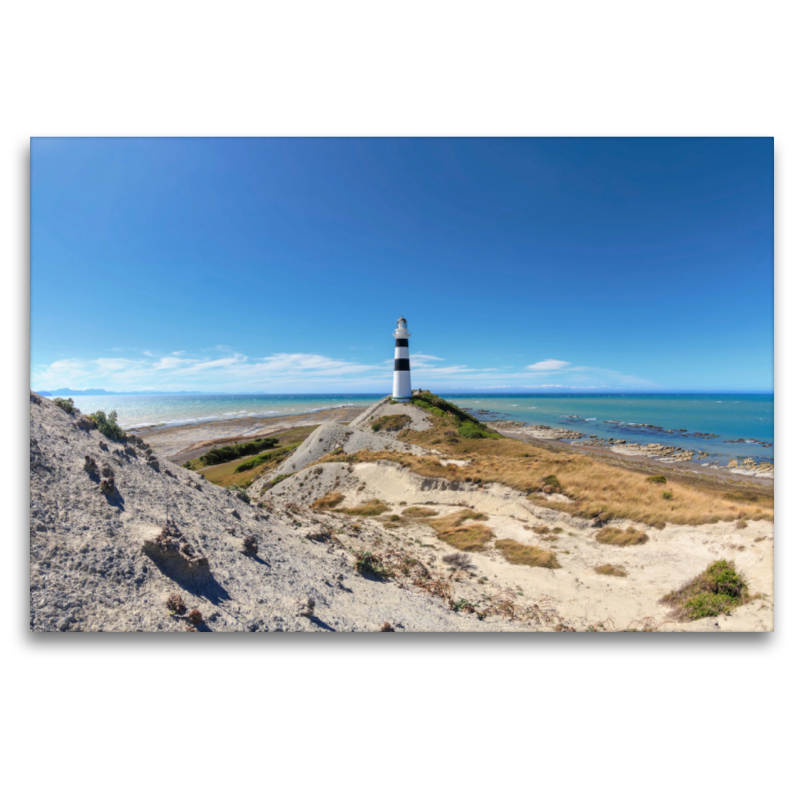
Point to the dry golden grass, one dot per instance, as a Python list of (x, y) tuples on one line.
[(332, 501), (621, 538), (595, 488), (610, 569), (417, 512), (529, 555), (372, 508), (454, 530), (329, 501)]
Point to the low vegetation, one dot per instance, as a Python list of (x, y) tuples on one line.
[(656, 479), (372, 508), (418, 512), (264, 458), (471, 430), (65, 403), (175, 604), (394, 422), (372, 566), (717, 590), (620, 538), (230, 452), (455, 530), (458, 561), (610, 569), (329, 501), (332, 502), (529, 555), (107, 425), (467, 426)]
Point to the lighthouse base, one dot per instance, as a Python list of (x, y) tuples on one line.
[(401, 389)]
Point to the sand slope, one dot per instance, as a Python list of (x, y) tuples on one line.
[(90, 571), (581, 597)]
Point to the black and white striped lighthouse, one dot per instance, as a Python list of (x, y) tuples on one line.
[(402, 371)]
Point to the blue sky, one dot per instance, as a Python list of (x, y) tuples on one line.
[(281, 265)]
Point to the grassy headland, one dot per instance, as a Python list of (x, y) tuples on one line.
[(580, 484)]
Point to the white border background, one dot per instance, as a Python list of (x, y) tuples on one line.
[(653, 716)]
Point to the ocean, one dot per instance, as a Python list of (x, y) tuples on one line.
[(742, 424)]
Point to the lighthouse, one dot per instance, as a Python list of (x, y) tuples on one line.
[(402, 372)]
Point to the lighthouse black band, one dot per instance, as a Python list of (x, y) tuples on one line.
[(401, 365), (401, 342)]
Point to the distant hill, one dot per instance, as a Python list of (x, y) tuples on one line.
[(80, 392)]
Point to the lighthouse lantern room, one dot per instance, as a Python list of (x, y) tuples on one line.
[(402, 372)]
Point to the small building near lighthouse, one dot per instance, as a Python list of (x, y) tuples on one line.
[(401, 389)]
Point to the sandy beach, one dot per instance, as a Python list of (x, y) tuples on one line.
[(179, 443)]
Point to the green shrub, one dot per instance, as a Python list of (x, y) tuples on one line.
[(716, 590), (251, 463), (107, 425), (553, 482), (656, 479), (369, 564), (667, 495), (230, 452), (65, 403)]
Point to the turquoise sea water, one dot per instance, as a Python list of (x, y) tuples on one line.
[(623, 416), (730, 417)]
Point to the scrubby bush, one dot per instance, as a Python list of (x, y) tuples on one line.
[(553, 482), (175, 604), (372, 565), (230, 452), (264, 458), (65, 403), (394, 422), (621, 538), (250, 544), (195, 617), (667, 495), (107, 425), (471, 430), (716, 590), (656, 479), (458, 561)]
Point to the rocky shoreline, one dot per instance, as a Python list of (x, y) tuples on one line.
[(662, 452)]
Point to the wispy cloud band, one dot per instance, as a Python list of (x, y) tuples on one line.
[(227, 371)]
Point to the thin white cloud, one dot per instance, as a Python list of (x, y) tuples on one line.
[(549, 364)]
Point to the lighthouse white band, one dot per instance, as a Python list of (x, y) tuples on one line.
[(401, 389)]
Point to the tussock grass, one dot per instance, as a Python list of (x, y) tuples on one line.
[(528, 555), (717, 590), (417, 512), (621, 538), (328, 501), (454, 530), (610, 569), (372, 508), (332, 502)]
